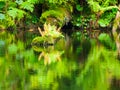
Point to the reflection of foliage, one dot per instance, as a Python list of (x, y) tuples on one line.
[(99, 70), (20, 68), (106, 40), (49, 77), (49, 53), (2, 48), (51, 56)]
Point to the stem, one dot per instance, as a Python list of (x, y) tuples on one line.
[(108, 8)]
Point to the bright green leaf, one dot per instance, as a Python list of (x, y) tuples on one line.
[(79, 8)]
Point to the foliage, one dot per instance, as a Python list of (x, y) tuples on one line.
[(2, 48), (81, 21), (2, 6), (54, 14), (48, 52), (79, 8), (55, 17), (12, 49), (101, 6), (56, 1), (14, 12), (60, 2), (107, 18), (48, 36), (83, 17), (2, 15), (35, 1), (27, 6), (56, 62), (104, 9), (50, 31)]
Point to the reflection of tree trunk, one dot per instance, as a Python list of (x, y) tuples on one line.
[(115, 31)]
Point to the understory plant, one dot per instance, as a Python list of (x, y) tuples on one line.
[(48, 35), (45, 43), (15, 12), (105, 11)]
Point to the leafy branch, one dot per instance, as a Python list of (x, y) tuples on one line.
[(96, 7)]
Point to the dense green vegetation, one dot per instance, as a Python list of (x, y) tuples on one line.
[(59, 45)]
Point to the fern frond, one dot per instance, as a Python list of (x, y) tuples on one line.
[(27, 6), (16, 13), (12, 12)]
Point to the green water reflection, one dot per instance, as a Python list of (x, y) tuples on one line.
[(72, 64)]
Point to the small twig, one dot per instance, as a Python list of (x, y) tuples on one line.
[(40, 31), (59, 29)]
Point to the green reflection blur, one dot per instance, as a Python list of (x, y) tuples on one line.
[(77, 64)]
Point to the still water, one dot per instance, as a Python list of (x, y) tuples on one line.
[(74, 63)]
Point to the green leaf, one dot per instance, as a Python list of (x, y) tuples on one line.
[(20, 14), (12, 12), (79, 8), (103, 23)]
